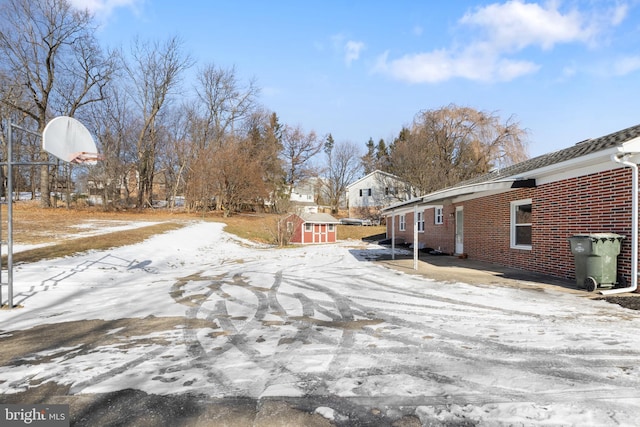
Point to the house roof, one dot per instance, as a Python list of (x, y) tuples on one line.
[(523, 174), (317, 218), (388, 175)]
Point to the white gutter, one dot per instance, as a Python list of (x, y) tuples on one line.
[(622, 159)]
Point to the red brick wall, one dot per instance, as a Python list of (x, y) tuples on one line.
[(591, 204), (440, 236), (406, 235), (487, 229)]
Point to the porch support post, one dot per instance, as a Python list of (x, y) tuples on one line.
[(415, 237), (393, 234)]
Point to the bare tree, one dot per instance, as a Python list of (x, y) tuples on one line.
[(453, 144), (280, 228), (223, 102), (298, 149), (154, 71), (49, 50), (343, 165), (178, 154), (114, 127), (235, 175)]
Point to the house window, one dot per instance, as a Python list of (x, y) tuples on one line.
[(439, 216), (420, 221), (361, 192), (308, 227), (369, 192), (289, 227), (403, 224), (521, 224), (330, 227)]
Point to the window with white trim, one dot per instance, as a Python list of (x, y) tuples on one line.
[(308, 227), (330, 228), (439, 215), (521, 224), (420, 221), (403, 225)]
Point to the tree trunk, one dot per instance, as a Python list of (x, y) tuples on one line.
[(45, 188)]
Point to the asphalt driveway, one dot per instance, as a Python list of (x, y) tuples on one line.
[(218, 332)]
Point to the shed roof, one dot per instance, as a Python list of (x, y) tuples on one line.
[(318, 218)]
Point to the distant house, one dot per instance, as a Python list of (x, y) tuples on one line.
[(522, 216), (306, 192), (373, 192), (312, 228)]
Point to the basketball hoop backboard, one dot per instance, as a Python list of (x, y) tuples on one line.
[(68, 139)]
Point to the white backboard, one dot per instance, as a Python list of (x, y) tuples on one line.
[(69, 140)]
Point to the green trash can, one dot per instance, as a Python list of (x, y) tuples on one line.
[(596, 259)]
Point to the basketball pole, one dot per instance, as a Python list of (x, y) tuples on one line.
[(80, 139), (9, 196)]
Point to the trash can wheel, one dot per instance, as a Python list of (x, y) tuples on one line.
[(590, 284)]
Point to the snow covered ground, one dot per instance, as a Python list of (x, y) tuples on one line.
[(197, 310)]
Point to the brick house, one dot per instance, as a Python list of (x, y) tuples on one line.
[(308, 227), (522, 216)]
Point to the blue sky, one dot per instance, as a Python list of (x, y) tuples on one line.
[(565, 70)]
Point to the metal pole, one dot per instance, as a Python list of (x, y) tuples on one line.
[(9, 196), (9, 141), (9, 191)]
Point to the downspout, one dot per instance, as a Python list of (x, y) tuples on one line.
[(622, 159)]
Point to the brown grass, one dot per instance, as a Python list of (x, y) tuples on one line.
[(56, 228), (104, 241), (356, 232)]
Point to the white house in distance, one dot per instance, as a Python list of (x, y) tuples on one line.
[(377, 190), (306, 191)]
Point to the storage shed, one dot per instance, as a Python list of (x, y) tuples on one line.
[(312, 228)]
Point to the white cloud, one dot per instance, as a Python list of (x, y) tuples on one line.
[(352, 51), (442, 65), (500, 31), (103, 8), (516, 25), (619, 14), (626, 65)]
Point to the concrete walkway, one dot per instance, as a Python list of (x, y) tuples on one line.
[(452, 269)]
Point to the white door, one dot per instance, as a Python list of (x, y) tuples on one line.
[(459, 230)]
